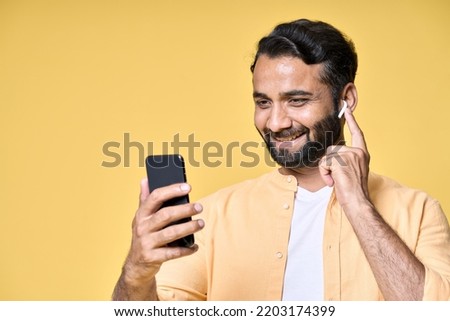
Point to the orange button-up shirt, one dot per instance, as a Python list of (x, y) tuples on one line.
[(244, 245)]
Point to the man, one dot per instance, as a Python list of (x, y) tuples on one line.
[(321, 227)]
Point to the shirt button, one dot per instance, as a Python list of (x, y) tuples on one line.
[(279, 255), (329, 247), (286, 206), (289, 179)]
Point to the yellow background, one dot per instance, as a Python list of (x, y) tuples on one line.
[(75, 75)]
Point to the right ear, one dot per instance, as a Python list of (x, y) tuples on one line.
[(350, 95)]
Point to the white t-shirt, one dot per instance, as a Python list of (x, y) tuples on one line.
[(303, 279)]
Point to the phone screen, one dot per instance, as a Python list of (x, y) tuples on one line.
[(164, 170)]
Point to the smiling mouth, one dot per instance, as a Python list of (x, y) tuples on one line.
[(286, 142), (288, 138)]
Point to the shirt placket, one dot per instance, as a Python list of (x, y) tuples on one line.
[(282, 220), (331, 251)]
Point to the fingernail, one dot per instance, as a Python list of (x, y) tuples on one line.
[(185, 187), (198, 207), (201, 223)]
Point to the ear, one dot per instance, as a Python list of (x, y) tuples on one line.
[(350, 95)]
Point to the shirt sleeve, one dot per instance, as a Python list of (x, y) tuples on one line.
[(183, 279), (433, 250)]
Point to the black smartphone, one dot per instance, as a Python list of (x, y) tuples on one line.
[(163, 170)]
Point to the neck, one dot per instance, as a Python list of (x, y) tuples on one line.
[(307, 178)]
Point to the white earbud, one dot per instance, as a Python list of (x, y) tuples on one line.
[(344, 107)]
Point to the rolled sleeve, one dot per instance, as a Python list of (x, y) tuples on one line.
[(433, 250)]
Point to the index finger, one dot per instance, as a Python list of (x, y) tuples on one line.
[(357, 135), (157, 197)]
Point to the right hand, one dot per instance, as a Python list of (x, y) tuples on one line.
[(151, 233)]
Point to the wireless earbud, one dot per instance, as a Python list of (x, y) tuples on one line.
[(344, 107)]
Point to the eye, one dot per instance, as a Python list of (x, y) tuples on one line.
[(262, 103), (297, 102)]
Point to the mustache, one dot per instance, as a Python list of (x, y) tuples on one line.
[(288, 132)]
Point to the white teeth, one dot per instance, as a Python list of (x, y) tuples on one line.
[(289, 138)]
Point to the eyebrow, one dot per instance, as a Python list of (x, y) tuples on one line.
[(259, 95), (295, 92)]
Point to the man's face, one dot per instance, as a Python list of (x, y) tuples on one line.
[(294, 112)]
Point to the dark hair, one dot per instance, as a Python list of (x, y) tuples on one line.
[(314, 42)]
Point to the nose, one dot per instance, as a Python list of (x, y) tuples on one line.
[(278, 119)]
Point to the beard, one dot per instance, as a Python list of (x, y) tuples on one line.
[(326, 133)]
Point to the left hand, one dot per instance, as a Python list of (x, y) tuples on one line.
[(347, 167)]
